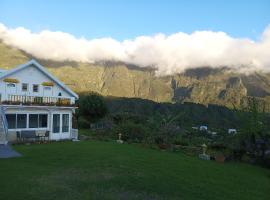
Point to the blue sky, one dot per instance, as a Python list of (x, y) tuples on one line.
[(121, 19)]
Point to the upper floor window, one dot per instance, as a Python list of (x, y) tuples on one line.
[(35, 88), (47, 87), (11, 85), (24, 87)]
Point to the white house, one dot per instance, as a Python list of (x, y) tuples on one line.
[(203, 128), (33, 100)]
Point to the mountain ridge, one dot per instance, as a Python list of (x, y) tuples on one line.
[(202, 85)]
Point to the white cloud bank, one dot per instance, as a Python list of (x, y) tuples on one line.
[(168, 54)]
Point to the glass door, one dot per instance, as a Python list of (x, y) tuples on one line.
[(65, 123), (56, 123)]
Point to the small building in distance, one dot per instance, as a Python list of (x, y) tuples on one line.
[(203, 128), (232, 131)]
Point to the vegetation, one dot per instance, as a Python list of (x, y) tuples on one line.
[(169, 125), (91, 108), (105, 170), (254, 136)]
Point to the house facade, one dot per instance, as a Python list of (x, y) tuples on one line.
[(34, 100)]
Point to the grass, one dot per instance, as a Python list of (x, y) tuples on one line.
[(106, 170)]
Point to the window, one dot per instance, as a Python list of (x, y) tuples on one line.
[(21, 120), (59, 94), (35, 88), (48, 88), (38, 120), (11, 119), (24, 87), (56, 123), (42, 121), (65, 123), (11, 85), (33, 121)]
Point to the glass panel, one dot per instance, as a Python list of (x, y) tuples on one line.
[(11, 119), (43, 121), (65, 123), (24, 87), (56, 123), (11, 85), (35, 88), (47, 88), (33, 121), (21, 120)]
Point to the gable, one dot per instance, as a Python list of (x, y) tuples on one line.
[(34, 73)]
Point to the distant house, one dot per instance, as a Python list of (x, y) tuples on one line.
[(232, 131), (33, 100), (203, 128)]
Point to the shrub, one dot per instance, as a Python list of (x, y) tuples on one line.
[(132, 132), (83, 123), (92, 107), (181, 142)]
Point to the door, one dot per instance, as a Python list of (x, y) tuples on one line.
[(65, 133), (60, 126), (56, 127)]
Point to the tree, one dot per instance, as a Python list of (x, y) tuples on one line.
[(92, 107), (255, 131)]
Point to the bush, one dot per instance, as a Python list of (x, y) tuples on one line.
[(159, 140), (132, 132), (92, 107), (181, 142), (83, 123)]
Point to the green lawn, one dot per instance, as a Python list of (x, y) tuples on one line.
[(106, 170)]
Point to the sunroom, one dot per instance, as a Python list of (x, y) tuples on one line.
[(57, 122)]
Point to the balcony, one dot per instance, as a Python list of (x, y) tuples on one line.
[(38, 101)]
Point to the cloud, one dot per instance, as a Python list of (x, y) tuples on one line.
[(167, 53)]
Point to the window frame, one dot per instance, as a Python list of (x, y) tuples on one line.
[(28, 121), (13, 85), (39, 122), (14, 120), (21, 114), (32, 120), (27, 87), (37, 87), (47, 88), (56, 129), (68, 124)]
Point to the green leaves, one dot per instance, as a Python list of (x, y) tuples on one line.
[(92, 106)]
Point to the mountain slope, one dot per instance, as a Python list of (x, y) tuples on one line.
[(201, 85)]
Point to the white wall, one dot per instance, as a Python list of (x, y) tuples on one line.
[(31, 75)]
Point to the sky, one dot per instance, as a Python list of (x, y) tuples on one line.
[(127, 19), (170, 36)]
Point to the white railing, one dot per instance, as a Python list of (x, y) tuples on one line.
[(74, 134), (17, 99)]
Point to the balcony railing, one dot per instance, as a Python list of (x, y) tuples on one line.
[(38, 100)]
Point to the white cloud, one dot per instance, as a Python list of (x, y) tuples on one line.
[(168, 54)]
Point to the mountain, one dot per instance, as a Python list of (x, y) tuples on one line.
[(201, 85)]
